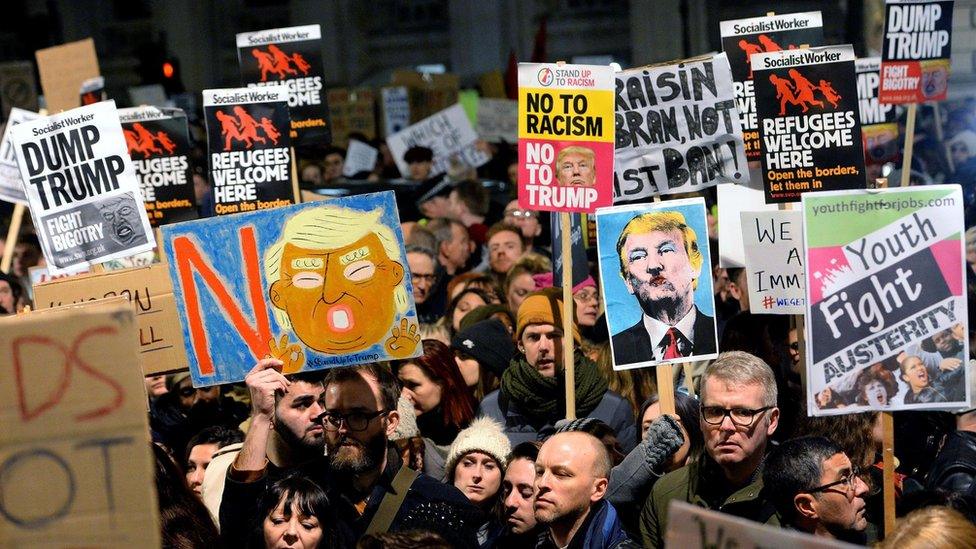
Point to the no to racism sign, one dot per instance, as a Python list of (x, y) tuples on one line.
[(566, 129)]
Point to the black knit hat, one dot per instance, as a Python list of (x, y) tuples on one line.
[(489, 343)]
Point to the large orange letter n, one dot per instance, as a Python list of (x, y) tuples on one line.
[(190, 260)]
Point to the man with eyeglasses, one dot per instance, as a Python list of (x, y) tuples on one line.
[(427, 294), (526, 220), (816, 489), (367, 483), (738, 416)]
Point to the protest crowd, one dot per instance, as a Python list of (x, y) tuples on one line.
[(461, 363)]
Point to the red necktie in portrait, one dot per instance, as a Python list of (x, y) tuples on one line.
[(670, 344)]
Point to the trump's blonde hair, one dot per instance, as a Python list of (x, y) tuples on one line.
[(663, 222)]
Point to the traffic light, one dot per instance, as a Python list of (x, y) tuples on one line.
[(170, 76)]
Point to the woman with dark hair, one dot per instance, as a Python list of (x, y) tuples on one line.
[(876, 386), (687, 408), (441, 400), (184, 521), (295, 513), (465, 302), (475, 466)]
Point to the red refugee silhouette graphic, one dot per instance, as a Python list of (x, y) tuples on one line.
[(765, 45), (276, 61), (244, 128), (141, 140), (800, 92)]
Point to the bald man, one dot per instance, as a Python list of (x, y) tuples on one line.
[(572, 473)]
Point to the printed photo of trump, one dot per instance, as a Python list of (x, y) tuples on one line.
[(656, 277)]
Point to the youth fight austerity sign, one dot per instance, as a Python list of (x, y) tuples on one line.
[(809, 125), (742, 38), (566, 137), (159, 145), (82, 188), (915, 51), (291, 56), (249, 148)]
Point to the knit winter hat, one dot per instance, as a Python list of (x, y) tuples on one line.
[(546, 280), (483, 312), (543, 307), (488, 342), (483, 435)]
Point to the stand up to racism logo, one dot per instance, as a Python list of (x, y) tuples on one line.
[(809, 127), (290, 56), (159, 145), (743, 38), (250, 155)]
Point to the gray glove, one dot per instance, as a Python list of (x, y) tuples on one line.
[(663, 440)]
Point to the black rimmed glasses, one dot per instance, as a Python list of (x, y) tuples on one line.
[(355, 421), (743, 417), (849, 481)]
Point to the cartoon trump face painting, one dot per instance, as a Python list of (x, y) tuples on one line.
[(337, 282)]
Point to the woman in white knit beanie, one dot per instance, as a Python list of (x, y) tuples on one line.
[(475, 465)]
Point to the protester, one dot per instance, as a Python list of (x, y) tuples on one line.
[(420, 161), (954, 468), (452, 244), (360, 467), (572, 470), (483, 351), (423, 280), (436, 388), (183, 520), (518, 491), (475, 466), (332, 163), (531, 398), (816, 489), (468, 300), (296, 514), (527, 222), (468, 202), (200, 451), (738, 415), (932, 528), (10, 293), (521, 278), (185, 410), (505, 247)]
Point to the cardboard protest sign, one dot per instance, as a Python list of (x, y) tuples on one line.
[(395, 109), (76, 469), (82, 188), (351, 112), (915, 51), (360, 157), (429, 93), (886, 300), (317, 285), (17, 88), (448, 133), (732, 201), (879, 121), (92, 90), (565, 124), (249, 149), (741, 38), (677, 129), (149, 290), (773, 243), (497, 120), (690, 526), (159, 145), (292, 57), (63, 70), (808, 121), (655, 257), (150, 94), (11, 185)]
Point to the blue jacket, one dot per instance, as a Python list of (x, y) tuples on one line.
[(601, 530), (613, 410)]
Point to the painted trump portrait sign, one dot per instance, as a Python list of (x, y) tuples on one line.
[(654, 268), (315, 285)]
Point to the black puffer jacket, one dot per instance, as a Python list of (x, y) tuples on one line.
[(954, 467)]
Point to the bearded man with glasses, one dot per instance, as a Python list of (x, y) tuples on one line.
[(738, 416), (816, 489)]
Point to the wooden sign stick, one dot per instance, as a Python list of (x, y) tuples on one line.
[(12, 233), (906, 162), (664, 373), (294, 178), (566, 239)]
